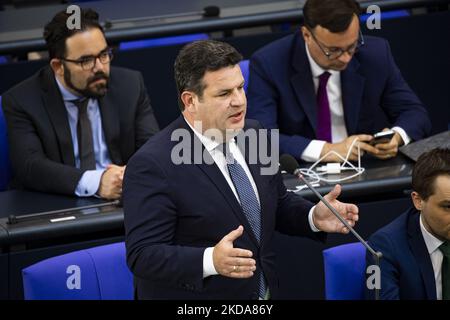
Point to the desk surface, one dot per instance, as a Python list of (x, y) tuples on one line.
[(74, 221), (21, 29), (380, 177)]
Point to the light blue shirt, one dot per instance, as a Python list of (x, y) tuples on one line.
[(90, 180)]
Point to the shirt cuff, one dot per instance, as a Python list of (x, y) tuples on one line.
[(89, 183), (310, 219), (313, 150), (208, 263), (403, 134)]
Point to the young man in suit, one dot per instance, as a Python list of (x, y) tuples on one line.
[(203, 228), (415, 246), (326, 85), (73, 126)]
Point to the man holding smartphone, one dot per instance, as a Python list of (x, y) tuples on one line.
[(327, 85)]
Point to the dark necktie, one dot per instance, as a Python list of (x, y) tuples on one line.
[(323, 112), (85, 138), (249, 203), (445, 271)]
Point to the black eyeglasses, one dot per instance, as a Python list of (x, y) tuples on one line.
[(337, 52), (88, 63)]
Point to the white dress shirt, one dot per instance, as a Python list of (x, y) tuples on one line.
[(89, 182), (338, 129), (436, 256), (220, 161)]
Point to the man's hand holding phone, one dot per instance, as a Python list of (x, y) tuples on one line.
[(387, 143)]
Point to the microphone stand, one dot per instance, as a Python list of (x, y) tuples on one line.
[(376, 254)]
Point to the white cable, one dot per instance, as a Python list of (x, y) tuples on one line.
[(317, 176)]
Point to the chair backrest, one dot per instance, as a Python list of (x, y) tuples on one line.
[(5, 166), (98, 273), (244, 64), (345, 267)]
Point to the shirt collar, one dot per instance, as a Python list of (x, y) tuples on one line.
[(317, 70), (206, 141), (431, 241), (66, 94)]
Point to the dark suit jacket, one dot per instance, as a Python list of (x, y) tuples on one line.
[(281, 93), (39, 134), (406, 269), (174, 212)]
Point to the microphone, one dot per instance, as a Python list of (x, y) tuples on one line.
[(290, 165), (207, 12)]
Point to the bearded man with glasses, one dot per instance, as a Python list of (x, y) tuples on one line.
[(327, 85), (73, 126)]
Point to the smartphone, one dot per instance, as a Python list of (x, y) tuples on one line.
[(382, 137)]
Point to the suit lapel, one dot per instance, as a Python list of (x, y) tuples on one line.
[(352, 86), (57, 113), (111, 125), (214, 174), (302, 82), (420, 252)]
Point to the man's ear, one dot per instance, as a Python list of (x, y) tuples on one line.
[(189, 98), (417, 200), (305, 33), (57, 67)]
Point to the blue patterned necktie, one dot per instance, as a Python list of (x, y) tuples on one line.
[(249, 204)]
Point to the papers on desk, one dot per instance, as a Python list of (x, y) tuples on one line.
[(62, 219)]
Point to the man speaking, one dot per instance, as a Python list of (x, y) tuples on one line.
[(204, 229)]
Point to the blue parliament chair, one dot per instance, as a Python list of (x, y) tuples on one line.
[(98, 273), (5, 166), (244, 64), (344, 268)]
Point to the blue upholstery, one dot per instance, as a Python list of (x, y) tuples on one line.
[(394, 14), (5, 167), (102, 273), (244, 68), (345, 267), (158, 42)]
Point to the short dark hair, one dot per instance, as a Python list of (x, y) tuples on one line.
[(56, 32), (198, 57), (428, 167), (334, 15)]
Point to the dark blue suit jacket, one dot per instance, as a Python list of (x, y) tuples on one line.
[(174, 212), (281, 93), (406, 269)]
